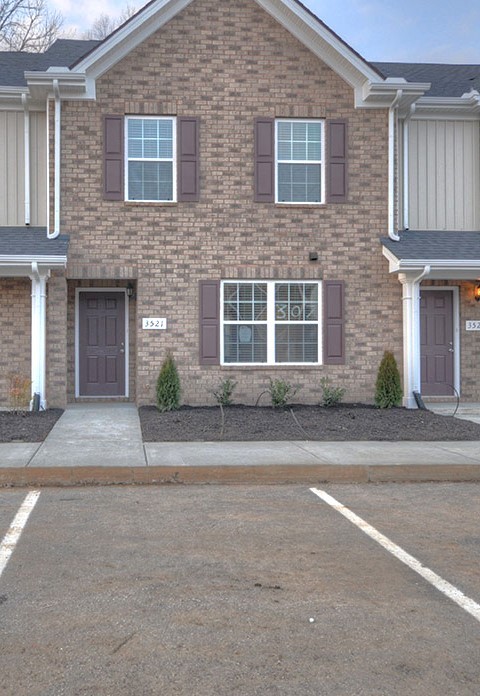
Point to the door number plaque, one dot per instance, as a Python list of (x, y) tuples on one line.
[(154, 323)]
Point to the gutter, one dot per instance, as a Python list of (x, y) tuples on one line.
[(391, 166), (26, 141), (56, 165)]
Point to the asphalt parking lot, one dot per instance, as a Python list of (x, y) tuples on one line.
[(206, 590)]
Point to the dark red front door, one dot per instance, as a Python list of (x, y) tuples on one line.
[(101, 344), (436, 335)]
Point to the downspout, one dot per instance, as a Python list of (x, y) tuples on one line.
[(39, 334), (411, 335), (57, 151), (26, 140), (406, 178), (391, 167)]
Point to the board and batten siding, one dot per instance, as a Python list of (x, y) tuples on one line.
[(12, 168), (444, 175)]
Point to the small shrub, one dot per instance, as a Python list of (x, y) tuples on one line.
[(388, 390), (331, 396), (18, 391), (168, 386), (223, 393), (281, 392)]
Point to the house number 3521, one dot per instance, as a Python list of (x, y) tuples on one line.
[(154, 323), (472, 325)]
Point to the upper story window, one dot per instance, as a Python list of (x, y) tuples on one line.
[(150, 162), (299, 153)]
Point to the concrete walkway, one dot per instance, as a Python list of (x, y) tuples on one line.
[(94, 444)]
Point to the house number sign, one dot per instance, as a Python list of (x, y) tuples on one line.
[(472, 325), (154, 323)]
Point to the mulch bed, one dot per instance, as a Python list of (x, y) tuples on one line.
[(343, 422), (27, 426)]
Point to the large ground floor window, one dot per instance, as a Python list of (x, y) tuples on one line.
[(270, 322)]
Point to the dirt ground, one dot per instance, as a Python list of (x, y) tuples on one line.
[(343, 422), (27, 426)]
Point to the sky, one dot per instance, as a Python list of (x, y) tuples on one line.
[(432, 31)]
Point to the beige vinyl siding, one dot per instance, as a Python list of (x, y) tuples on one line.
[(444, 175), (38, 168), (12, 168)]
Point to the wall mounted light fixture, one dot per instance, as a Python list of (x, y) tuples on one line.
[(130, 291), (476, 293)]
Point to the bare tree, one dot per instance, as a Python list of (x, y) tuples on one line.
[(104, 24), (27, 25)]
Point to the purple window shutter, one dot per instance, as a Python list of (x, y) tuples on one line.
[(209, 322), (333, 322), (337, 161), (264, 160), (113, 158), (188, 159)]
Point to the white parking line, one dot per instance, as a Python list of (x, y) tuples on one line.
[(445, 587), (16, 528)]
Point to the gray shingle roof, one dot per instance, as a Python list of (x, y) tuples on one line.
[(435, 246), (31, 242), (446, 80), (62, 53)]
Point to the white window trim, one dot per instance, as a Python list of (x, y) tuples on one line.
[(173, 159), (321, 162), (271, 323)]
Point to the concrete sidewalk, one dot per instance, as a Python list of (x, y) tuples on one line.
[(101, 444)]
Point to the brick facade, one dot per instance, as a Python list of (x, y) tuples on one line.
[(15, 321), (227, 63)]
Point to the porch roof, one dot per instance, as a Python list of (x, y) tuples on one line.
[(20, 247), (449, 255)]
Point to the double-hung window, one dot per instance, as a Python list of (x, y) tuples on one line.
[(150, 162), (270, 322), (300, 160)]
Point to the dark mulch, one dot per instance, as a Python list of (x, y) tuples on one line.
[(27, 426), (343, 422)]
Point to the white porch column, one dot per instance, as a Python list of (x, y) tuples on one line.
[(39, 334), (411, 335)]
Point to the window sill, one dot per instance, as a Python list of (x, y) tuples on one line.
[(299, 205), (150, 204)]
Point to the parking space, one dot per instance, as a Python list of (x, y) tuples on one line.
[(239, 590)]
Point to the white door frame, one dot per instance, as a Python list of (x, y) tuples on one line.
[(78, 290)]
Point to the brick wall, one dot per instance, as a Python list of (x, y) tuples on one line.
[(227, 63), (15, 312)]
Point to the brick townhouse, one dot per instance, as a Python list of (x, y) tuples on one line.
[(232, 183)]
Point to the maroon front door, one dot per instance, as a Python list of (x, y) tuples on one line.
[(101, 344), (436, 336)]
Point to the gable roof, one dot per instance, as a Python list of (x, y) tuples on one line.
[(445, 80)]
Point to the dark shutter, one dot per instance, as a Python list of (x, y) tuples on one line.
[(209, 322), (337, 158), (113, 158), (264, 160), (188, 159), (333, 322)]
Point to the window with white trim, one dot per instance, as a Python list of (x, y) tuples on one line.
[(270, 322), (299, 152), (150, 162)]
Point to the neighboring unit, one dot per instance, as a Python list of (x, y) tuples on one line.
[(219, 180)]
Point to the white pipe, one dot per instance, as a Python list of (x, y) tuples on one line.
[(38, 334), (57, 151), (411, 336), (406, 164), (47, 173), (391, 167), (26, 140)]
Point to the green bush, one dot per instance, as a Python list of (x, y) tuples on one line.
[(223, 393), (281, 392), (331, 396), (388, 390), (168, 386)]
